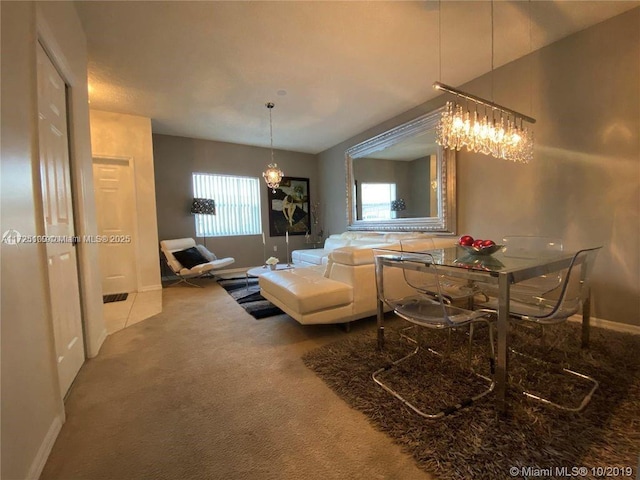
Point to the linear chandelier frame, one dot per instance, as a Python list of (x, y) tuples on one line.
[(482, 101)]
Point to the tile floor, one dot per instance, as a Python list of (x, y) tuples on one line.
[(137, 307)]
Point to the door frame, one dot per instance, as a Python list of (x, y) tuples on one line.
[(69, 170), (81, 173), (132, 178)]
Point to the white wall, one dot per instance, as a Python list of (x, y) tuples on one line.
[(119, 135), (32, 410)]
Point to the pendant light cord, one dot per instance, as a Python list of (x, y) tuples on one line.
[(492, 48), (270, 107), (439, 40), (530, 64)]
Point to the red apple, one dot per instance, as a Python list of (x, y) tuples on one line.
[(488, 243), (466, 240), (477, 244)]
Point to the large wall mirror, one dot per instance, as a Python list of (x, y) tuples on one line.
[(402, 180)]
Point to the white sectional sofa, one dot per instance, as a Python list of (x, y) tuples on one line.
[(320, 256), (341, 288)]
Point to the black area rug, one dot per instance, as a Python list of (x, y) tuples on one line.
[(116, 297), (533, 440), (249, 297)]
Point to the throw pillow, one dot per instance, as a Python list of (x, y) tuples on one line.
[(190, 257)]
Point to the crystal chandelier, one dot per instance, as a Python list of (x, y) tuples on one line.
[(488, 128), (273, 175), (483, 126)]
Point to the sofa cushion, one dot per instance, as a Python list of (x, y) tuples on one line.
[(419, 244), (355, 255), (395, 236), (363, 254), (306, 290), (411, 241), (332, 243), (444, 242), (427, 243), (314, 256), (367, 241)]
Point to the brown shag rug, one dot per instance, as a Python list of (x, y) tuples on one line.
[(476, 442)]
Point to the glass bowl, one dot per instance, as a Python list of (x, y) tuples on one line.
[(481, 251)]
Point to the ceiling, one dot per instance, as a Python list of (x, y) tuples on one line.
[(205, 69)]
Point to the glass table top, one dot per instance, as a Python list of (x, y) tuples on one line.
[(499, 262)]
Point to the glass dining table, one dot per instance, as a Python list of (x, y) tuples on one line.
[(499, 269)]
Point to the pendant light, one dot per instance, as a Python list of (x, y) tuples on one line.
[(273, 175), (483, 126)]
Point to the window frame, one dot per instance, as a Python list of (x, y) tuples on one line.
[(231, 218)]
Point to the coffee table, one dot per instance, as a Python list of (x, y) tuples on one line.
[(261, 270)]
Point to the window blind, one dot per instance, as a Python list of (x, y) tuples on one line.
[(237, 205)]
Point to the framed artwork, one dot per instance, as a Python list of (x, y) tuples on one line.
[(289, 208)]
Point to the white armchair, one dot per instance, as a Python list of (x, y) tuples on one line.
[(188, 260)]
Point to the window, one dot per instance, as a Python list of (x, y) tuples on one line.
[(237, 205), (376, 200)]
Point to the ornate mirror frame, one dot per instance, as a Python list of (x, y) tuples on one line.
[(445, 221)]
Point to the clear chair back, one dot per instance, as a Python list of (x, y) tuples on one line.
[(526, 246), (523, 246), (568, 299)]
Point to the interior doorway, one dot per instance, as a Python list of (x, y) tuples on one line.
[(116, 219)]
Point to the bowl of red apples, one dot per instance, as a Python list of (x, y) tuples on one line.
[(476, 246)]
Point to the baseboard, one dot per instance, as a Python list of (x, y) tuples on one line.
[(150, 288), (45, 449), (608, 324), (101, 339)]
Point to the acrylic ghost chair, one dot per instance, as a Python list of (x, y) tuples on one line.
[(526, 246), (453, 291), (529, 246), (554, 307), (431, 312)]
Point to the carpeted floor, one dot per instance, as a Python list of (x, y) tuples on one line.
[(247, 293), (475, 442), (203, 391)]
